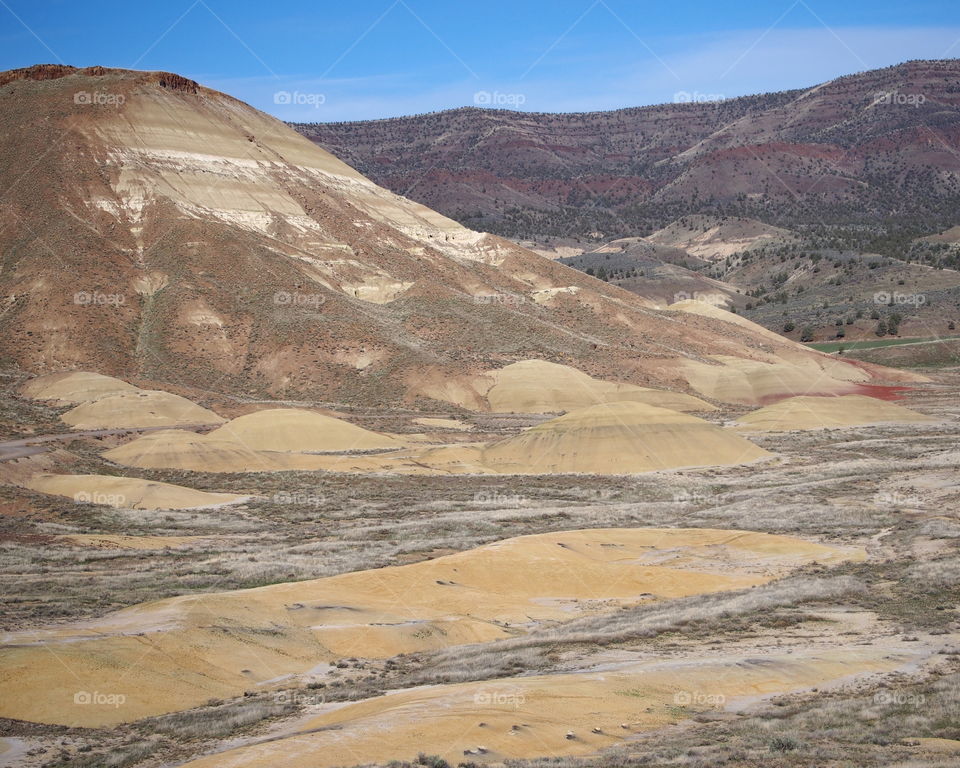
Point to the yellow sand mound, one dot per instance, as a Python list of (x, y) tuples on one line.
[(127, 492), (549, 715), (614, 438), (266, 441), (619, 438), (73, 387), (752, 382), (538, 386), (821, 412), (177, 653), (179, 449), (297, 430), (142, 408)]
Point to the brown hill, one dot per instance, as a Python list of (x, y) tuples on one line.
[(877, 148), (156, 229)]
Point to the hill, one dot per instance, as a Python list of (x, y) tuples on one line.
[(870, 159), (157, 230)]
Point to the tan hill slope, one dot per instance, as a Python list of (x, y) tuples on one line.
[(162, 230), (826, 412)]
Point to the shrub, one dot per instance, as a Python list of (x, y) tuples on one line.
[(783, 744)]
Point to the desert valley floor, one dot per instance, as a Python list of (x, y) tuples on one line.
[(297, 472), (361, 586)]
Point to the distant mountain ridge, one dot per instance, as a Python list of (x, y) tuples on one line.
[(866, 155)]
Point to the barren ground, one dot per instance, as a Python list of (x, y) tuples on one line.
[(892, 490)]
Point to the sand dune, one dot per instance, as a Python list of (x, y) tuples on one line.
[(273, 440), (538, 386), (179, 449), (141, 408), (823, 412), (74, 387), (754, 382), (793, 370), (619, 438), (127, 492), (614, 438), (556, 715), (298, 430), (177, 653)]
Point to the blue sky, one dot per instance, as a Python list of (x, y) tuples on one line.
[(360, 59)]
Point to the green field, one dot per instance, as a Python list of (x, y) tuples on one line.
[(833, 346)]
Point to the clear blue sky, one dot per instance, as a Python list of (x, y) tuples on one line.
[(358, 59)]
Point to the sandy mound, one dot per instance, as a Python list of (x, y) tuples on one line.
[(538, 386), (822, 412), (792, 370), (177, 653), (127, 492), (73, 387), (614, 438), (753, 382), (297, 430), (532, 716), (179, 449), (619, 438), (265, 441), (142, 408)]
